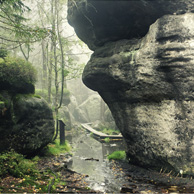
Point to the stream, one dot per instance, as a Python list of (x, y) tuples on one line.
[(90, 159)]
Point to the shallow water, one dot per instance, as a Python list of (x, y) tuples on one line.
[(90, 158)]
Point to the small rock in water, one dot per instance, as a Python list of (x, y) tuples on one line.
[(127, 190)]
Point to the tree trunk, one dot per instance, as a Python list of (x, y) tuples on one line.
[(44, 65)]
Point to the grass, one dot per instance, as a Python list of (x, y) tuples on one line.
[(56, 149), (117, 155)]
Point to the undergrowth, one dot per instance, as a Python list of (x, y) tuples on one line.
[(27, 174), (55, 148), (14, 164)]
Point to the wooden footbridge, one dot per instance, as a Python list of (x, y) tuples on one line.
[(100, 134)]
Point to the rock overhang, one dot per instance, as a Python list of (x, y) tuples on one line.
[(156, 69), (99, 21)]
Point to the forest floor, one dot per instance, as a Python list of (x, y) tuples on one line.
[(54, 177)]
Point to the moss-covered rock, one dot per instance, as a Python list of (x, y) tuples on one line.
[(26, 120), (17, 75), (26, 125)]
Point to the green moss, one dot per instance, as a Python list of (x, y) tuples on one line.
[(37, 96), (2, 104), (16, 73), (55, 148), (107, 140), (4, 101), (28, 174), (117, 155), (42, 93), (14, 164), (26, 96), (110, 131)]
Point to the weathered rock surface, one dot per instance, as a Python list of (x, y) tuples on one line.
[(89, 110), (92, 110), (147, 83), (26, 123), (97, 22)]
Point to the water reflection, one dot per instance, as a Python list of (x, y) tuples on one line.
[(90, 158)]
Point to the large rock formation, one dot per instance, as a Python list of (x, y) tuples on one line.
[(26, 120), (147, 82), (26, 123), (99, 21)]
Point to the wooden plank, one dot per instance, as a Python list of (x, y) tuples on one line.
[(98, 133)]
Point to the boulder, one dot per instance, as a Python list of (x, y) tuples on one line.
[(89, 110), (147, 80), (26, 120), (26, 123), (148, 85)]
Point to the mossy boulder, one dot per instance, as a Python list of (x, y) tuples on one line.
[(26, 120), (26, 124), (17, 75)]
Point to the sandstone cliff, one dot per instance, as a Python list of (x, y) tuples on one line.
[(143, 67)]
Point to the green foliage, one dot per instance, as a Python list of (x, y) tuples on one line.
[(28, 34), (110, 131), (16, 4), (50, 179), (16, 71), (51, 186), (3, 53), (107, 139), (117, 155), (13, 25), (55, 148), (14, 164)]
